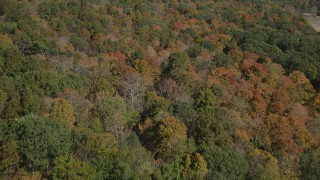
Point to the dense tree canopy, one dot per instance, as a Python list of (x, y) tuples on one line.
[(97, 89)]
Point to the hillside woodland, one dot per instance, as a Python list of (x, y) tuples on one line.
[(171, 89)]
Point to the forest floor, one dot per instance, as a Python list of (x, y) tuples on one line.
[(314, 21)]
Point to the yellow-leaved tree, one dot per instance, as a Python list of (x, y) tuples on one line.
[(63, 111), (170, 138)]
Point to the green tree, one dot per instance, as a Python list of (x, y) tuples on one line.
[(112, 112), (3, 131), (14, 10), (206, 102), (177, 66), (171, 170), (205, 105), (131, 161), (40, 140), (102, 145), (33, 104), (13, 107), (310, 164), (263, 166), (225, 163), (9, 158), (1, 64), (102, 80), (155, 104), (185, 112), (69, 167), (3, 99)]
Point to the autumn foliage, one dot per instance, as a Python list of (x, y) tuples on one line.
[(97, 89)]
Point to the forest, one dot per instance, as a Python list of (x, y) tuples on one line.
[(159, 89)]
